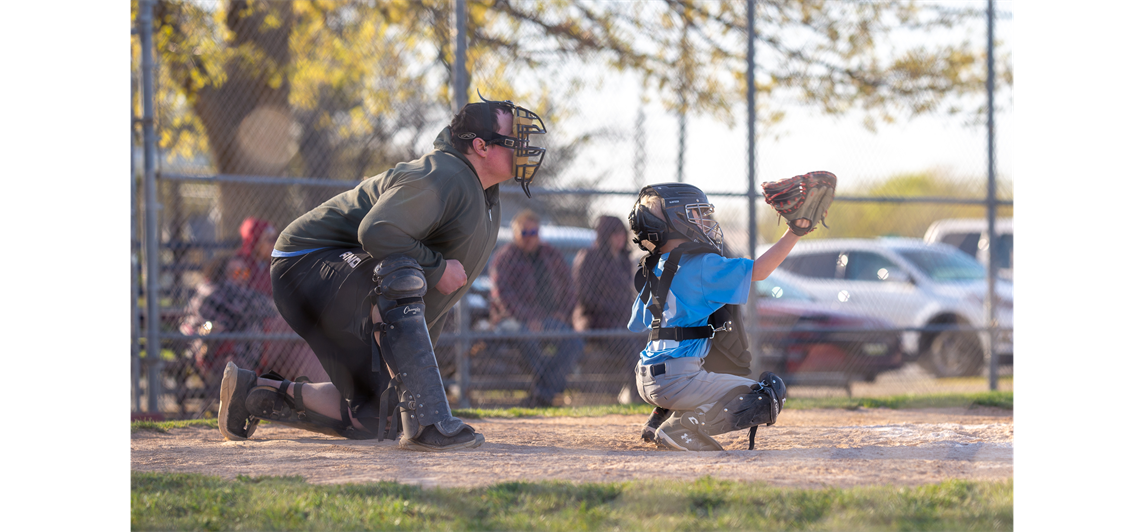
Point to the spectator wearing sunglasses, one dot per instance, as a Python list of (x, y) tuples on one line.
[(532, 287)]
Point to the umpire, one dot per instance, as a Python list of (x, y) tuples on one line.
[(366, 278)]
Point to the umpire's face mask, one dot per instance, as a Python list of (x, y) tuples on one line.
[(526, 158)]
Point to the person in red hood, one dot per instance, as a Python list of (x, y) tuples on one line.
[(258, 237), (289, 359)]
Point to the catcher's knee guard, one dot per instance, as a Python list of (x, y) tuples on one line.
[(275, 404), (408, 349), (747, 407)]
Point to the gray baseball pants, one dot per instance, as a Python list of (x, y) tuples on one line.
[(685, 385)]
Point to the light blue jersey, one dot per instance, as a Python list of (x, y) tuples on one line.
[(703, 283)]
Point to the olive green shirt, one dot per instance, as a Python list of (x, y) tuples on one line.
[(430, 209)]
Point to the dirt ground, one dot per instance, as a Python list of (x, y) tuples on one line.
[(806, 448)]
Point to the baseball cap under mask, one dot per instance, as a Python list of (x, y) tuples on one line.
[(526, 158)]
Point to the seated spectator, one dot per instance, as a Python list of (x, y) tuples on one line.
[(291, 359), (532, 287), (604, 293), (220, 305)]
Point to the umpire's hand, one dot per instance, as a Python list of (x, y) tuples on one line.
[(453, 278)]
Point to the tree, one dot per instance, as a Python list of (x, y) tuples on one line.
[(341, 90), (284, 88), (837, 56)]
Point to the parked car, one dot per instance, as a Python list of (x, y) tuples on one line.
[(911, 284), (971, 236), (859, 348)]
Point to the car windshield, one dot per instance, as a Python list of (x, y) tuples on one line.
[(775, 287), (942, 266)]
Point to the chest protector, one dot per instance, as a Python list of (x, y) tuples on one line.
[(725, 327)]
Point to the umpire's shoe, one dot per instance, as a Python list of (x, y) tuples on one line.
[(234, 420), (431, 439)]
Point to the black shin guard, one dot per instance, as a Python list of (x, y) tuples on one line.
[(408, 349)]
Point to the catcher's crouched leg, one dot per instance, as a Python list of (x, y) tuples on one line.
[(741, 408), (427, 423)]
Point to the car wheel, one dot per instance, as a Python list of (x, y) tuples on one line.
[(954, 354)]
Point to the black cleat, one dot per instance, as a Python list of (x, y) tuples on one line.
[(657, 418), (431, 439), (234, 421)]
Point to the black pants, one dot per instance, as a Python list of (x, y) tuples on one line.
[(325, 296)]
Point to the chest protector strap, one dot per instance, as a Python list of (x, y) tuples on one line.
[(730, 350)]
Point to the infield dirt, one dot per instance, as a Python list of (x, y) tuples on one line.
[(806, 448)]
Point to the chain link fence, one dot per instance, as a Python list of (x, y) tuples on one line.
[(248, 114)]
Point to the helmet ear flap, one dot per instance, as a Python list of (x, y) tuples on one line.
[(647, 226)]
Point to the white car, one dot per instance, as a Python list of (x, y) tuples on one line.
[(913, 285), (971, 236)]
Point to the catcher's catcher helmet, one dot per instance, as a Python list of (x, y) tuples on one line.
[(686, 214), (526, 159)]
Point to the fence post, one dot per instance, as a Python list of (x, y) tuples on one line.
[(135, 406), (464, 344), (460, 66), (150, 206), (460, 99), (752, 222), (991, 207)]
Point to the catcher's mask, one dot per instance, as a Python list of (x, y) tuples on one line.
[(687, 214), (526, 159)]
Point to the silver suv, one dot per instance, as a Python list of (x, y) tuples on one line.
[(911, 284)]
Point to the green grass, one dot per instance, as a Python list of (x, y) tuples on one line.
[(994, 399), (179, 501), (164, 426), (1000, 399)]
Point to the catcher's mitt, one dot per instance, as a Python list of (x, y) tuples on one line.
[(802, 197)]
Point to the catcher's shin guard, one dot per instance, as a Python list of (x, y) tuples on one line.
[(749, 407), (275, 404), (427, 423), (743, 407)]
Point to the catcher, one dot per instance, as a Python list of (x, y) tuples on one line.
[(695, 366)]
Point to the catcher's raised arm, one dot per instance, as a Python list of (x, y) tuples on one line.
[(802, 198)]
